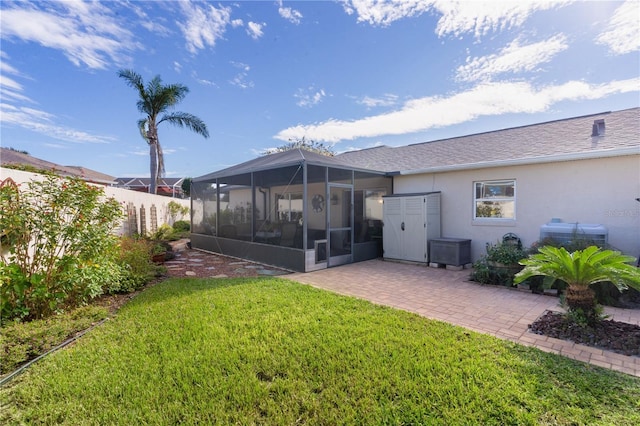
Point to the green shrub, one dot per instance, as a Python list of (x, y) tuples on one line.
[(176, 209), (499, 265), (182, 226), (165, 233), (134, 259), (58, 239)]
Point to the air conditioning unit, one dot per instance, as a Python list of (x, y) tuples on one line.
[(564, 233)]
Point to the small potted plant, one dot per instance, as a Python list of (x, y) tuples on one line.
[(158, 253), (500, 264), (505, 255)]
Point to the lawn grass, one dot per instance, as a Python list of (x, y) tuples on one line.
[(271, 351)]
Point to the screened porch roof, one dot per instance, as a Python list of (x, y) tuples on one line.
[(282, 159)]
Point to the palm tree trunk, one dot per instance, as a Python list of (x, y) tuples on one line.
[(152, 139), (153, 155), (581, 298)]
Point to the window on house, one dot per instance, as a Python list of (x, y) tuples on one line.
[(289, 207), (495, 199), (368, 214)]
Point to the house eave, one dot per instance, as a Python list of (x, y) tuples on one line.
[(618, 152)]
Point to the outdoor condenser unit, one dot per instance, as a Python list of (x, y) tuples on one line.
[(564, 233)]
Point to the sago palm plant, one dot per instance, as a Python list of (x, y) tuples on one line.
[(580, 270)]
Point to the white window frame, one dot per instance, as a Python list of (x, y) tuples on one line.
[(287, 197), (498, 198)]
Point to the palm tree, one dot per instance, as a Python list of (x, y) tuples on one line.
[(579, 270), (155, 99)]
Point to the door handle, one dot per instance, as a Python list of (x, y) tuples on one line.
[(402, 226)]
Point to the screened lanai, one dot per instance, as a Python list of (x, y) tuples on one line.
[(295, 209)]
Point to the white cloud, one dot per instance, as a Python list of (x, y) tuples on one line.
[(43, 122), (458, 16), (487, 99), (87, 33), (622, 34), (480, 18), (10, 89), (244, 67), (237, 23), (202, 81), (8, 94), (55, 146), (241, 79), (7, 83), (289, 14), (204, 25), (512, 59), (384, 101), (309, 97), (206, 82), (254, 29), (177, 66), (34, 119), (152, 25), (5, 68), (384, 12)]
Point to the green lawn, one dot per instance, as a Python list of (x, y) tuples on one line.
[(270, 351)]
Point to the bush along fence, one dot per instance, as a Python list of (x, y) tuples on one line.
[(143, 213), (59, 247)]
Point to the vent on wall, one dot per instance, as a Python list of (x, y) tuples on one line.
[(598, 127)]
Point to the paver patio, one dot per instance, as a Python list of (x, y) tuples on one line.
[(449, 296)]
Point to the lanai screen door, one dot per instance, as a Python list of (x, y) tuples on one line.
[(339, 218)]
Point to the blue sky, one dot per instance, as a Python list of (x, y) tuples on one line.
[(352, 74)]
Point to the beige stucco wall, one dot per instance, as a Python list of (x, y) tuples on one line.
[(598, 191), (124, 196)]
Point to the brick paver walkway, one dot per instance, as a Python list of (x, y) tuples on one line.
[(448, 296)]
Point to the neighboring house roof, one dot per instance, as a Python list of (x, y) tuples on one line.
[(9, 156), (559, 140), (140, 182), (167, 186), (280, 159)]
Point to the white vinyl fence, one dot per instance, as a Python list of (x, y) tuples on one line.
[(144, 213)]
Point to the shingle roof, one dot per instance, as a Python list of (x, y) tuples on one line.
[(533, 143), (9, 156), (281, 159)]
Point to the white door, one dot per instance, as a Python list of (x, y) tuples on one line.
[(415, 240), (392, 229), (404, 232)]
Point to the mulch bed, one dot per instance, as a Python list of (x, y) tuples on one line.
[(615, 336)]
